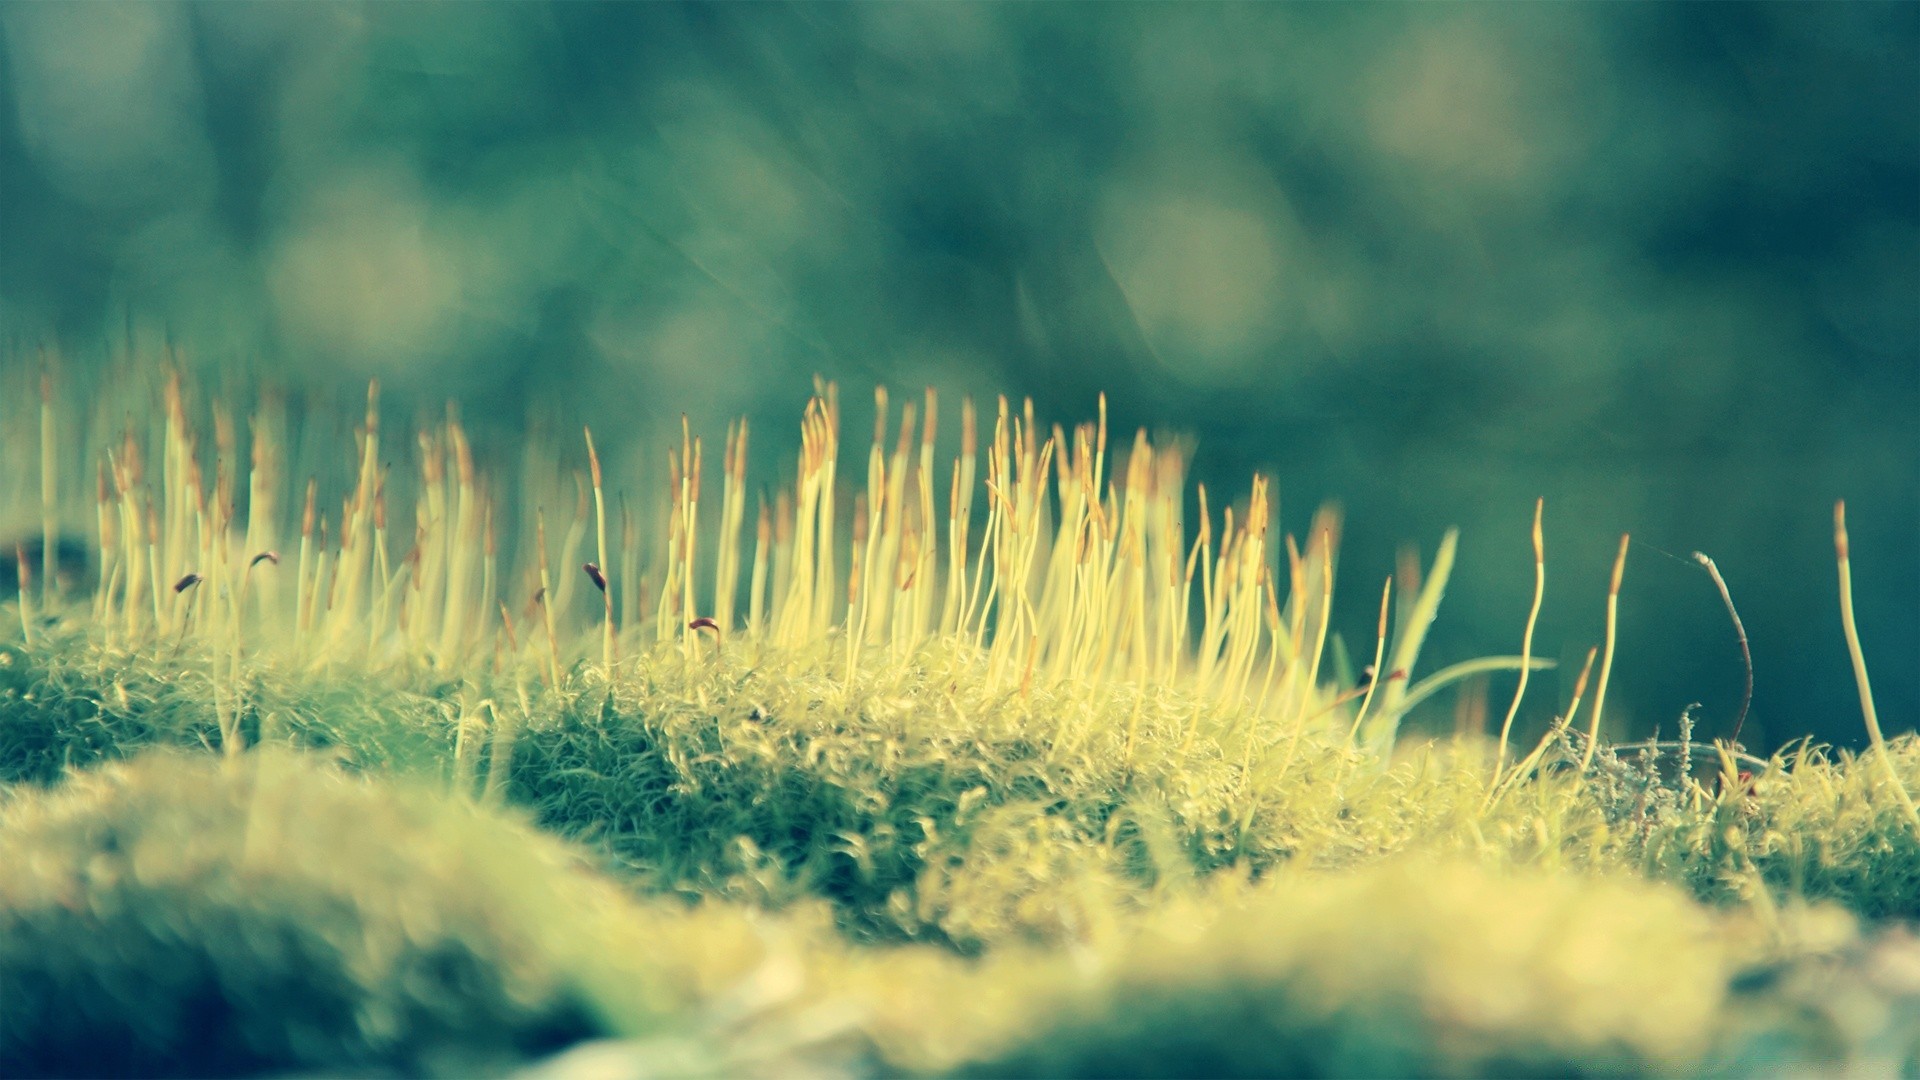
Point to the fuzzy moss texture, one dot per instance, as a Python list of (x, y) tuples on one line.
[(1029, 780)]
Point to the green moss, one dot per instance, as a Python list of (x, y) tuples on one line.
[(1071, 793), (186, 916), (1409, 968), (924, 804), (69, 704)]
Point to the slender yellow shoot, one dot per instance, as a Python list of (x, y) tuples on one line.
[(1374, 675), (1867, 710), (1580, 684), (1319, 643), (545, 600), (756, 592), (690, 524), (300, 601), (1526, 641), (1540, 749), (629, 567), (1326, 613), (104, 530), (26, 585), (602, 566), (49, 493), (506, 621), (1606, 657)]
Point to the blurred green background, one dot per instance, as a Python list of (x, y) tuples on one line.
[(1659, 264)]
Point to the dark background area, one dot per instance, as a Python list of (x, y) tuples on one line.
[(1659, 264)]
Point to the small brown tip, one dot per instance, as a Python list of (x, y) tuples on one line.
[(599, 579), (186, 583), (704, 623)]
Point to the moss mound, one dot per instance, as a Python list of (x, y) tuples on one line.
[(925, 804), (180, 914), (71, 704), (186, 916), (919, 803), (1404, 969)]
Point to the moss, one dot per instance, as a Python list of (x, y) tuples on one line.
[(924, 803), (1406, 969), (1070, 794), (69, 704), (185, 916)]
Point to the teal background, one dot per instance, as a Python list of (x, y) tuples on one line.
[(1657, 263)]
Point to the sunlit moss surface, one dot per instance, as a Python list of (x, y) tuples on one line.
[(188, 916), (1155, 914), (1080, 795)]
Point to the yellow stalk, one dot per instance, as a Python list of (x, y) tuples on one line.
[(263, 499), (959, 521), (756, 599), (463, 542), (382, 573), (546, 601), (1273, 647), (26, 594), (1319, 644), (1546, 740), (577, 527), (302, 605), (823, 550), (928, 549), (862, 540), (630, 602), (109, 562), (156, 583), (602, 565), (1379, 654), (1867, 710), (1606, 657), (689, 534), (49, 494), (1526, 641), (490, 557)]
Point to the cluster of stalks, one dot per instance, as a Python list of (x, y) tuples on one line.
[(1053, 560), (1074, 570)]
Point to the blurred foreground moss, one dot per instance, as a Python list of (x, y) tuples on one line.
[(187, 916), (1405, 969)]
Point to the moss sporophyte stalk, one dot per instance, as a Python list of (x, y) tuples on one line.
[(1074, 570), (1027, 703)]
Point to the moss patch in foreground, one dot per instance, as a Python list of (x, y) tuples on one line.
[(1407, 968), (188, 916)]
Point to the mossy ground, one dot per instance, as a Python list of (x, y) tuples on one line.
[(1077, 795), (1159, 912)]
